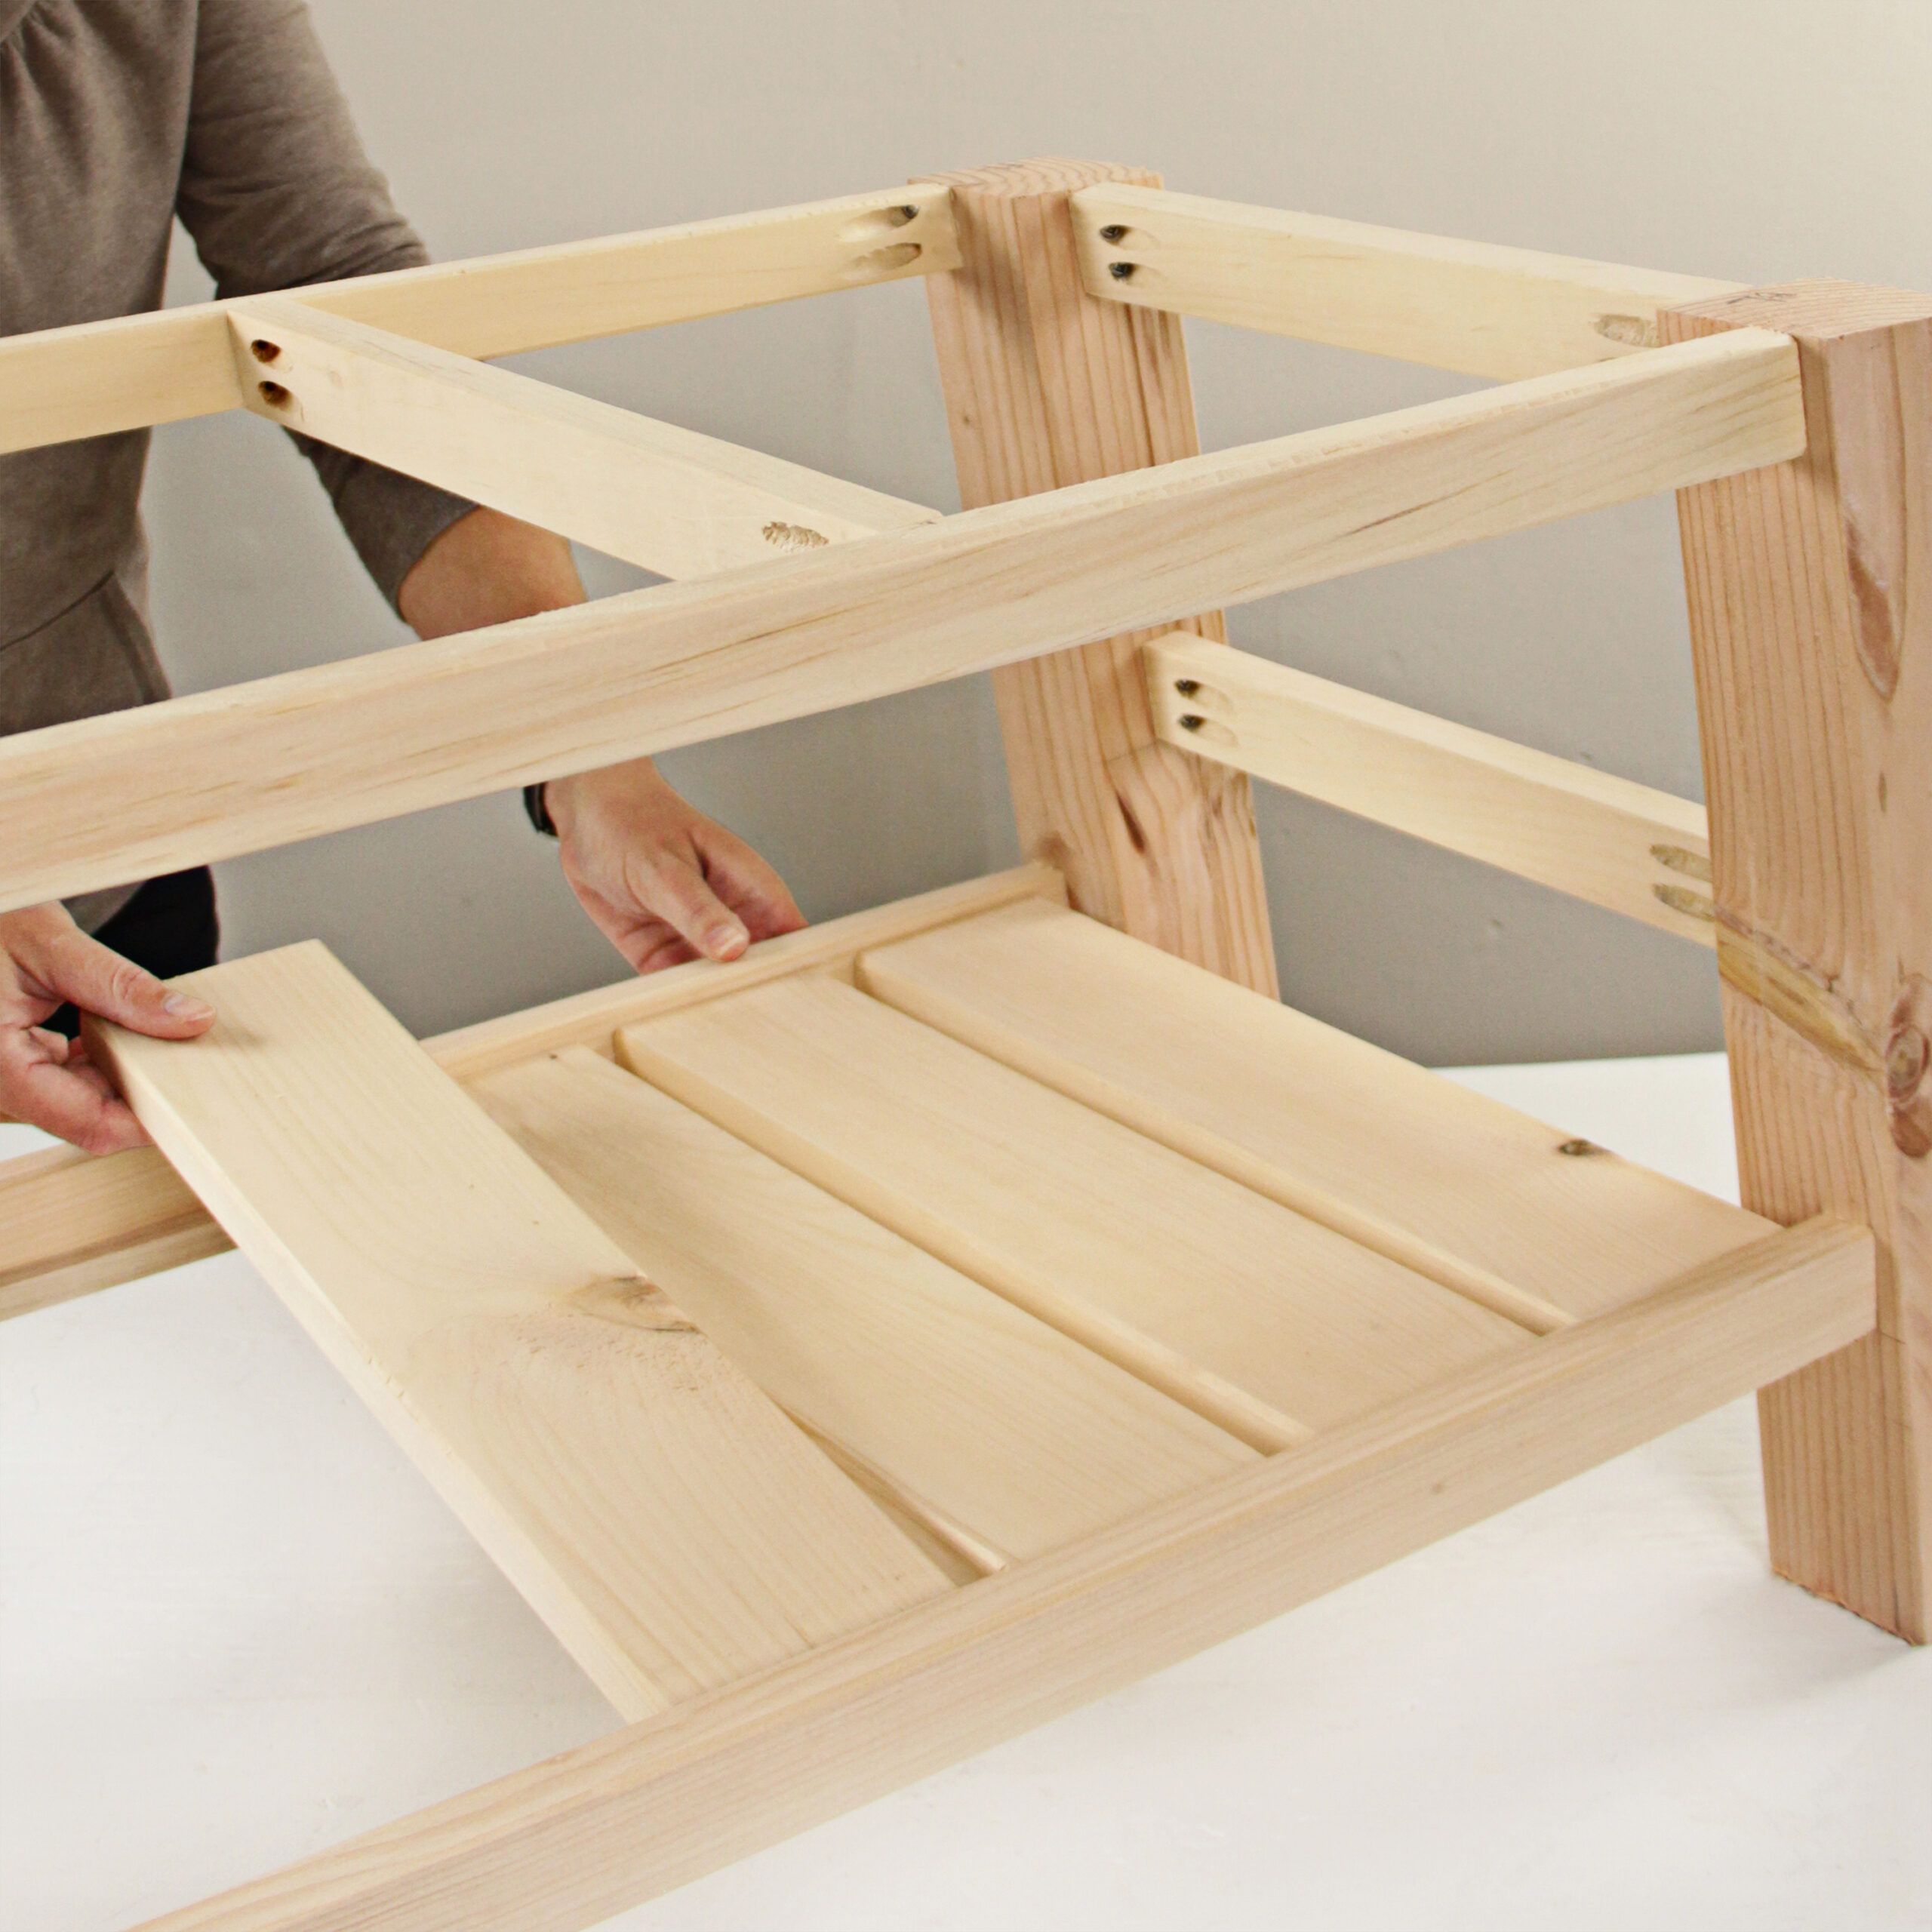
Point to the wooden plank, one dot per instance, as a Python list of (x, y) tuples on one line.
[(70, 1222), (1467, 305), (1004, 1438), (1453, 1185), (130, 371), (1263, 1322), (671, 1526), (666, 498), (139, 793), (1619, 844), (567, 1843), (1811, 623), (1044, 388)]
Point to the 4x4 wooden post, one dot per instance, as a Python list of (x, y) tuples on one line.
[(1811, 594), (1046, 386)]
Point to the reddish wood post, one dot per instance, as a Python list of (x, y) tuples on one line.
[(1046, 386), (1810, 595)]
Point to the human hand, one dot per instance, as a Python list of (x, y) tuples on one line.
[(660, 881), (47, 1080)]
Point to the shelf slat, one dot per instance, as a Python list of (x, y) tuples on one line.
[(1269, 1323), (1004, 1436), (1454, 1184), (672, 1527)]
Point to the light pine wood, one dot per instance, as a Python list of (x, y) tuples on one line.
[(129, 372), (139, 793), (1455, 1185), (1467, 305), (1267, 1323), (666, 498), (1626, 846), (1004, 1438), (567, 1843), (71, 1223), (1811, 621), (1044, 388), (673, 1529)]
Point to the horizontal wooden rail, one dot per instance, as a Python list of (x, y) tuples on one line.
[(677, 503), (569, 1842), (1466, 305), (139, 793), (130, 371), (1616, 843), (70, 1225)]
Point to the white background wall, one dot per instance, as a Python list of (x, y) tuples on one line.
[(1726, 138)]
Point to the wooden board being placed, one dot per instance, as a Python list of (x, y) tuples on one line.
[(1267, 1323), (1455, 1185), (1002, 1436), (671, 1526)]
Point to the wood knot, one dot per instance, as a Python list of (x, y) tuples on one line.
[(1908, 1057), (1576, 1149)]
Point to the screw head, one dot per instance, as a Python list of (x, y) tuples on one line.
[(1114, 231), (1187, 686), (1121, 271), (1190, 720)]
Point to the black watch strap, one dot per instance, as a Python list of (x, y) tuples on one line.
[(533, 803)]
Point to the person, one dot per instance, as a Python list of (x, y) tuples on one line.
[(116, 116)]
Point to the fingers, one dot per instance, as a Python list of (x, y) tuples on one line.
[(71, 966), (47, 1082), (677, 893), (750, 886)]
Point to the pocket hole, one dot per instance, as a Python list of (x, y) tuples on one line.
[(264, 351), (274, 395), (883, 261)]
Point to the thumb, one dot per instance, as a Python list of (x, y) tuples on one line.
[(100, 982)]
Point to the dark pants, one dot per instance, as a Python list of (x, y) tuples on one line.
[(169, 926)]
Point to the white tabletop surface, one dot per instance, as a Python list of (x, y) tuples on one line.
[(236, 1627)]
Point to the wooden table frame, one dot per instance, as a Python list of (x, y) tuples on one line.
[(1084, 572)]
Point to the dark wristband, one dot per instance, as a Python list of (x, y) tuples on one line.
[(534, 804)]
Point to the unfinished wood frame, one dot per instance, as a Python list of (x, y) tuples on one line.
[(770, 1554)]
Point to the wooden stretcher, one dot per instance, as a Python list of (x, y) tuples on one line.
[(865, 1351)]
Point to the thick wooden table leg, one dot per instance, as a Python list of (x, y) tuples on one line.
[(1046, 386), (1810, 591)]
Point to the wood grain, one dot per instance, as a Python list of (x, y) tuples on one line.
[(1044, 387), (674, 1530), (71, 1223), (139, 793), (1003, 1437), (1455, 1185), (130, 371), (664, 497), (1625, 846), (1269, 1323), (1471, 306), (1811, 621), (565, 1844)]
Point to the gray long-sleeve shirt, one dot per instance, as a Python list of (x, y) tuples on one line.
[(115, 116)]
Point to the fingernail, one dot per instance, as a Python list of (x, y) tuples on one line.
[(733, 938), (185, 1006)]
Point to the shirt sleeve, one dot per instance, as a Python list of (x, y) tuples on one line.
[(277, 192)]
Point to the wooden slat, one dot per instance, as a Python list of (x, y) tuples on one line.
[(1637, 851), (130, 371), (1810, 601), (1263, 1321), (1466, 305), (673, 1529), (1043, 388), (1451, 1183), (70, 1222), (567, 1843), (1004, 1438), (666, 498), (139, 793)]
